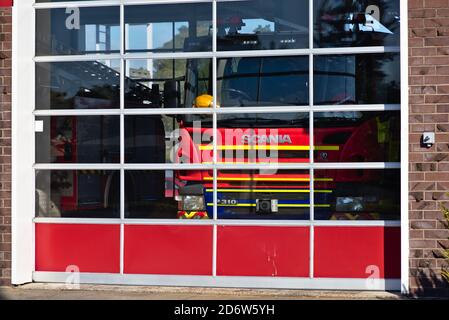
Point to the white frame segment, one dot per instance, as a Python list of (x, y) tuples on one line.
[(24, 166)]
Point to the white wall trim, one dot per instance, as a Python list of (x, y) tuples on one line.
[(22, 135), (404, 151)]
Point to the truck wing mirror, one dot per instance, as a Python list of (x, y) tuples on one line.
[(171, 94)]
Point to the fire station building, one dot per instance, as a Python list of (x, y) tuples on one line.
[(289, 144)]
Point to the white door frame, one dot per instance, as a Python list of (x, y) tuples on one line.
[(23, 147)]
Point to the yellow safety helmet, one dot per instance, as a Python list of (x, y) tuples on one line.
[(203, 101)]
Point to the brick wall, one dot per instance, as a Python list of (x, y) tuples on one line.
[(429, 168), (5, 146)]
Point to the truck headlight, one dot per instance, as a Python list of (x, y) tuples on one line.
[(192, 203)]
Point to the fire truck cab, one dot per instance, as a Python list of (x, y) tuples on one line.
[(258, 138)]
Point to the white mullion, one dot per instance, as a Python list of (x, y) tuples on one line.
[(174, 111), (77, 220), (122, 125), (305, 52), (357, 223), (214, 27), (225, 0), (115, 221), (122, 247), (122, 114), (78, 112), (105, 3), (253, 166), (358, 165), (236, 110), (78, 58), (122, 194), (355, 50), (306, 108), (305, 166), (311, 251), (122, 29), (222, 54), (355, 107), (168, 55), (311, 144), (214, 250), (274, 223), (168, 166), (214, 137), (80, 4), (215, 221), (76, 166), (153, 2)]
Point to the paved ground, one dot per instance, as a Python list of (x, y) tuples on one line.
[(103, 292)]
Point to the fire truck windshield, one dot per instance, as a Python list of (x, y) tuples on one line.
[(242, 82)]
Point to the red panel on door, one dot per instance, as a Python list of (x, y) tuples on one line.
[(6, 3), (263, 251), (355, 252), (174, 250), (90, 247)]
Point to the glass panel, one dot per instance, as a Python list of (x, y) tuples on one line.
[(262, 194), (169, 28), (356, 136), (78, 193), (357, 194), (357, 79), (168, 139), (262, 25), (78, 85), (263, 138), (341, 23), (74, 30), (268, 81), (168, 83), (78, 139), (167, 194)]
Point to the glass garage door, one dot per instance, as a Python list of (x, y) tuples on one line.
[(225, 143)]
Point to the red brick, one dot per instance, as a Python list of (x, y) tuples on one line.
[(422, 13), (436, 42), (422, 244), (422, 224), (415, 4), (436, 234), (436, 3)]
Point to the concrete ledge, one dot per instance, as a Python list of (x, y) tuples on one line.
[(99, 292)]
